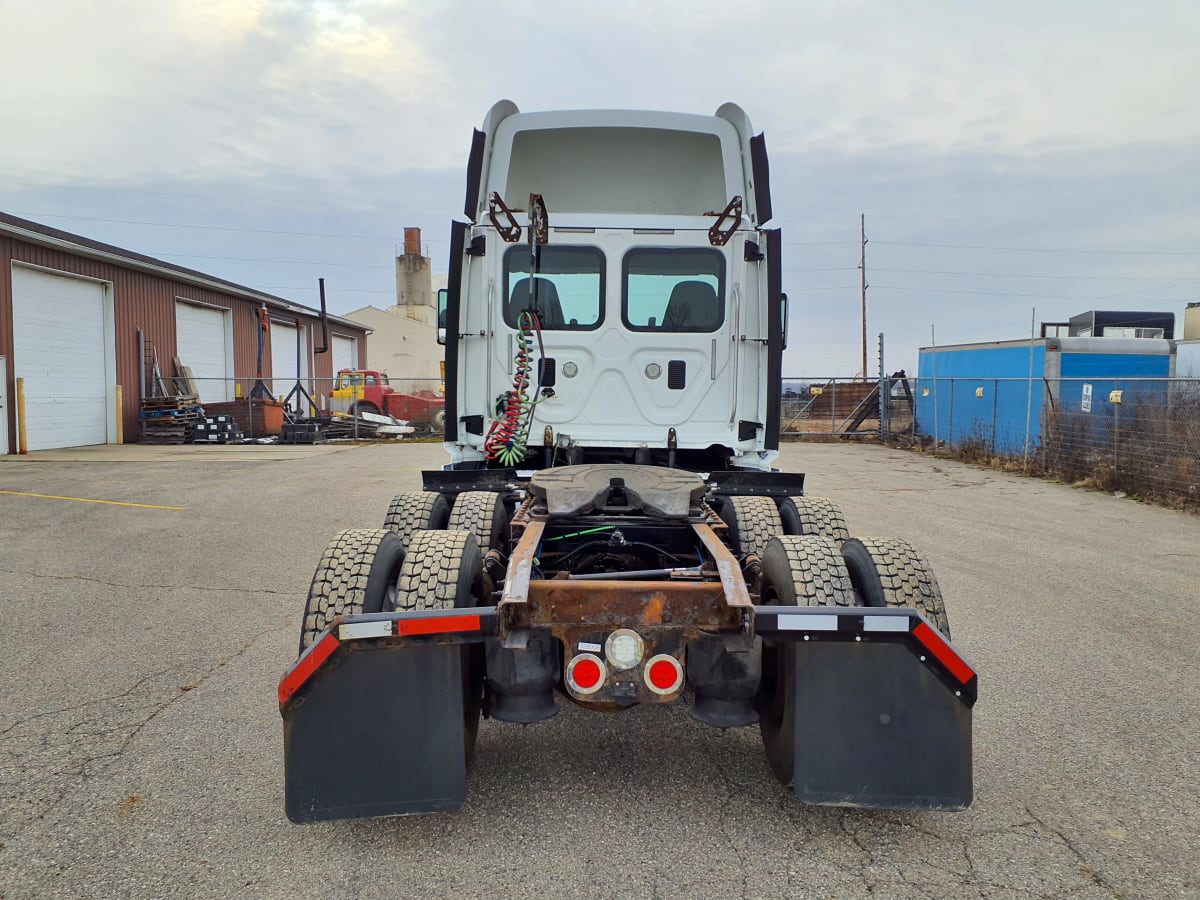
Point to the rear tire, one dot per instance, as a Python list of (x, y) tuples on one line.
[(481, 513), (357, 574), (798, 570), (444, 570), (813, 515), (753, 521), (892, 573), (414, 511)]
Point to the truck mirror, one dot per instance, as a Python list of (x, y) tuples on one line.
[(441, 315)]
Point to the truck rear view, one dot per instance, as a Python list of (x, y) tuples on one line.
[(610, 531)]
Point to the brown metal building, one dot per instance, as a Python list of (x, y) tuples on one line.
[(71, 310)]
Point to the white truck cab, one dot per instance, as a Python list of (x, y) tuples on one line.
[(614, 296)]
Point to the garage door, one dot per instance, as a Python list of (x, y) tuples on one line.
[(62, 349), (345, 353), (202, 339), (285, 353)]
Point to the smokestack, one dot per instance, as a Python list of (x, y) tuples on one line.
[(414, 291)]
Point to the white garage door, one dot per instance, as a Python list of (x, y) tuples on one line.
[(61, 349), (285, 352), (345, 353), (202, 339)]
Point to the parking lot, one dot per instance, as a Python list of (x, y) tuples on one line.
[(141, 746)]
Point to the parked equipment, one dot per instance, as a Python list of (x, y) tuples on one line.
[(359, 391), (610, 529)]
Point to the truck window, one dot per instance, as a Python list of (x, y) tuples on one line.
[(673, 289), (569, 287)]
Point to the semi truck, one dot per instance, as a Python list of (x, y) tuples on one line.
[(610, 529)]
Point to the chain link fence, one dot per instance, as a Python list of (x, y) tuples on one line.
[(1136, 435), (176, 409), (848, 407)]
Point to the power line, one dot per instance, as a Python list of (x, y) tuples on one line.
[(359, 237), (1039, 249), (330, 289), (1024, 275), (299, 262), (929, 290)]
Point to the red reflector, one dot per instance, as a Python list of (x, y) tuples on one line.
[(586, 673), (939, 648), (308, 664), (662, 675), (437, 625)]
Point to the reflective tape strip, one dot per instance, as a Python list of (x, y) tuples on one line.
[(306, 666), (358, 630), (807, 623), (945, 654), (885, 623), (438, 624)]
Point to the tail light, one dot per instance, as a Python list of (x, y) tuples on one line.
[(663, 674), (585, 673)]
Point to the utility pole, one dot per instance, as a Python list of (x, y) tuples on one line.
[(862, 266)]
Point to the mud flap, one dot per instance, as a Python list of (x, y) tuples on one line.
[(378, 731), (875, 727)]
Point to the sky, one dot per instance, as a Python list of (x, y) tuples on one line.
[(1015, 162)]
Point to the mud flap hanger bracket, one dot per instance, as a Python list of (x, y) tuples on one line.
[(505, 222)]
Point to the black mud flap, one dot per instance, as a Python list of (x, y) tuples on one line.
[(377, 731), (877, 728)]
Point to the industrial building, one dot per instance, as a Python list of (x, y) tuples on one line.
[(1000, 393), (82, 322)]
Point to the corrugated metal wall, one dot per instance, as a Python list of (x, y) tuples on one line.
[(147, 301)]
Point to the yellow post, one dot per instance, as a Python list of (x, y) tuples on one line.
[(120, 417), (21, 445)]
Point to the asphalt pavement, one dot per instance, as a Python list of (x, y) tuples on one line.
[(141, 745)]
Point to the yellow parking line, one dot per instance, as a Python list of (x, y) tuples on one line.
[(88, 500)]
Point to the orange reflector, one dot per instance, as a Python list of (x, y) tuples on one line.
[(437, 625), (935, 644), (308, 664)]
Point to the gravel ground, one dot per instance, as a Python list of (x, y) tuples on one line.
[(140, 742)]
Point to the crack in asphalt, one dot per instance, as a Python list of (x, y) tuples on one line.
[(166, 704), (173, 587), (1085, 867), (77, 772), (737, 843)]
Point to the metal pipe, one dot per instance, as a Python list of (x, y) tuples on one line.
[(638, 575), (22, 445)]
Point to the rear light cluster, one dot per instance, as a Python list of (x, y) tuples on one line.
[(623, 650)]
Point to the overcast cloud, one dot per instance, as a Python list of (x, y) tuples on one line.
[(321, 129)]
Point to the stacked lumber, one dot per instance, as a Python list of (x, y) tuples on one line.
[(170, 420)]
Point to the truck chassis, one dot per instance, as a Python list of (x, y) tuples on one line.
[(617, 585)]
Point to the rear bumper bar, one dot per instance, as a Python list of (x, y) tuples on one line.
[(811, 624), (882, 711)]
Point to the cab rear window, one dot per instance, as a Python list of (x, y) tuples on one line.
[(677, 290)]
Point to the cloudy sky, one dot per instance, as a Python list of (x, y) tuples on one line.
[(1008, 156)]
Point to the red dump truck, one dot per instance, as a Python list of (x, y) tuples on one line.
[(368, 391)]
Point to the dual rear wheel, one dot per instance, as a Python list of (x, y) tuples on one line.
[(808, 559)]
